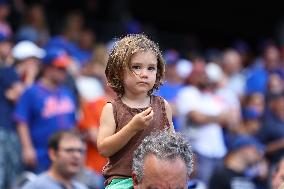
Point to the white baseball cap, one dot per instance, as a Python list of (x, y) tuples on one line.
[(27, 49), (214, 72)]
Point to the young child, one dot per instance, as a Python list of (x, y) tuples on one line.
[(134, 70)]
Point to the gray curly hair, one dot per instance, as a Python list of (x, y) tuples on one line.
[(165, 146)]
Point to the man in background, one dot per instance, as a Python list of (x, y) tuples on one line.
[(66, 151)]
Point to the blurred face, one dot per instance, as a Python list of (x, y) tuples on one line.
[(142, 75), (5, 49), (272, 57), (36, 13), (232, 62), (4, 11), (252, 155), (257, 102), (86, 40), (275, 83), (252, 125), (57, 75), (31, 64), (278, 176), (69, 157), (277, 106), (161, 174)]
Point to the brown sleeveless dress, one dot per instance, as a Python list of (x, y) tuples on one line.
[(120, 164)]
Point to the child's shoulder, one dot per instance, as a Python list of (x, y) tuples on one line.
[(107, 106)]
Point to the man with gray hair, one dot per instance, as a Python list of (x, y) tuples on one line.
[(163, 160)]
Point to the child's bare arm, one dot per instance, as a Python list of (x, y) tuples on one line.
[(109, 142), (169, 115)]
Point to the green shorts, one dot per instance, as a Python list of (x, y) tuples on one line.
[(120, 183)]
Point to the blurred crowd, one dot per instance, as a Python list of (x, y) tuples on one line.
[(228, 102)]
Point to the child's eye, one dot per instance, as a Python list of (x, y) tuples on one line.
[(152, 68), (135, 67)]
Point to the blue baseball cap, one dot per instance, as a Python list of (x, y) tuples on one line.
[(242, 141), (57, 57)]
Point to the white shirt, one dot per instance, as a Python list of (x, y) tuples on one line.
[(206, 139)]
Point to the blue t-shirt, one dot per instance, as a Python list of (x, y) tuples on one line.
[(45, 112)]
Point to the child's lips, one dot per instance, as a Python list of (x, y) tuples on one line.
[(143, 83)]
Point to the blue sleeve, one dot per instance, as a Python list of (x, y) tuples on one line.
[(23, 107)]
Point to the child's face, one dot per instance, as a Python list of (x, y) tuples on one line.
[(142, 75)]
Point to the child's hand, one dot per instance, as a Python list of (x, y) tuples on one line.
[(142, 120)]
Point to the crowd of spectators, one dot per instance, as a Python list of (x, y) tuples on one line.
[(51, 82)]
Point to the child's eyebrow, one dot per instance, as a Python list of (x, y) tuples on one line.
[(140, 63)]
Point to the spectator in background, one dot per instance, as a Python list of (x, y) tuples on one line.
[(13, 80), (27, 57), (274, 83), (277, 179), (268, 63), (162, 160), (272, 130), (5, 50), (66, 151), (34, 28), (5, 27), (250, 123), (89, 124), (68, 38), (203, 115), (45, 108), (10, 89), (86, 45), (173, 82), (94, 94), (244, 153), (232, 65), (255, 101)]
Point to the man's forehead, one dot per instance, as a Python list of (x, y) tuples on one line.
[(70, 139)]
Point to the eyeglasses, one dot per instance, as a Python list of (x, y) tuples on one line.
[(73, 150)]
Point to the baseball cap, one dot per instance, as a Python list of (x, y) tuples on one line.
[(27, 49), (57, 57), (214, 72), (242, 141), (184, 68)]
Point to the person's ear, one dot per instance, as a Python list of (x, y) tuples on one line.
[(134, 178), (51, 154)]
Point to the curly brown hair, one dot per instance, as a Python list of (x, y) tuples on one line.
[(119, 60)]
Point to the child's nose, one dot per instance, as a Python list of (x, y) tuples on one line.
[(144, 73)]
